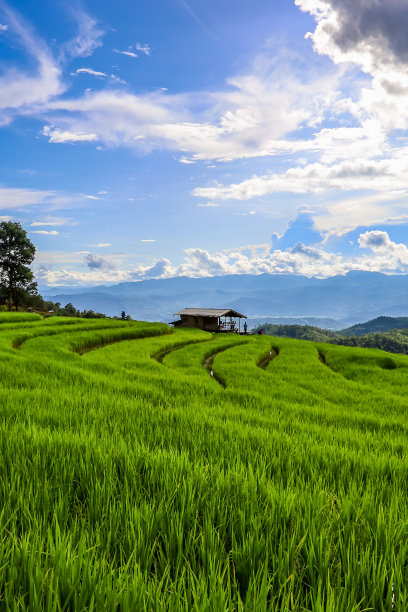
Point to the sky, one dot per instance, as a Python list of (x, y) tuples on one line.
[(162, 138)]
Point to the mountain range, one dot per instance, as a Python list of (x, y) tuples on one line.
[(331, 303)]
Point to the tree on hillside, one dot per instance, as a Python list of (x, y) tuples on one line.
[(16, 254)]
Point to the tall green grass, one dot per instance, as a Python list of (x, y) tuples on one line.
[(130, 482)]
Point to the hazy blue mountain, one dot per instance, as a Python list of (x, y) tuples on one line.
[(340, 300)]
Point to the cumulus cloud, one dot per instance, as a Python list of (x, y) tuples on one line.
[(98, 263), (384, 256), (371, 35), (60, 136)]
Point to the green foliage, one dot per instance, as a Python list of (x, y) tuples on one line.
[(132, 479), (301, 332), (16, 254), (380, 324), (395, 341)]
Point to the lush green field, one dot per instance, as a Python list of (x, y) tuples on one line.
[(182, 471)]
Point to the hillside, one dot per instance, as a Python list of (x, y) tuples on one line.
[(380, 324), (151, 469), (394, 341), (344, 300)]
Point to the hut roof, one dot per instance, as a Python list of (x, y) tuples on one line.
[(210, 312)]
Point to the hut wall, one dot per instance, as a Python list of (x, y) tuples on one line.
[(211, 324), (187, 321)]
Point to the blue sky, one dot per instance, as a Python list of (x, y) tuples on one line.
[(202, 137)]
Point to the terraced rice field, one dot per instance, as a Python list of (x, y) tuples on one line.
[(148, 470)]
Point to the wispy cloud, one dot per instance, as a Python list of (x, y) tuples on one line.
[(202, 25), (88, 37), (3, 27), (52, 221), (148, 240), (143, 49), (90, 71), (98, 74), (20, 90), (45, 232), (131, 50), (128, 53), (101, 245), (90, 197)]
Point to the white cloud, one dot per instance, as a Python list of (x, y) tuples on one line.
[(208, 205), (91, 72), (101, 245), (45, 232), (131, 50), (52, 221), (61, 136), (19, 90), (88, 38), (3, 27), (384, 256), (385, 175), (90, 197), (98, 74), (19, 198), (143, 48), (250, 117), (148, 240), (371, 35), (128, 53)]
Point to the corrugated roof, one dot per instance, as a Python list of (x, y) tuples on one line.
[(210, 312)]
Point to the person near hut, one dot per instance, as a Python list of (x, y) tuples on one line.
[(245, 327), (260, 332)]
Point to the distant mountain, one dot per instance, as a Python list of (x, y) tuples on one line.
[(380, 324), (343, 300)]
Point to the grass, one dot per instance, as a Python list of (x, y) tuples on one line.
[(132, 480)]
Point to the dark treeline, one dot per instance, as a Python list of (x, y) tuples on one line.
[(393, 341)]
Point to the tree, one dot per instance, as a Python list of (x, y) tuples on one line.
[(16, 254)]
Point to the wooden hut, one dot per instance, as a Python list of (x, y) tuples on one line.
[(210, 319)]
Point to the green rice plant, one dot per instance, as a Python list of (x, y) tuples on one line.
[(18, 317), (131, 480)]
